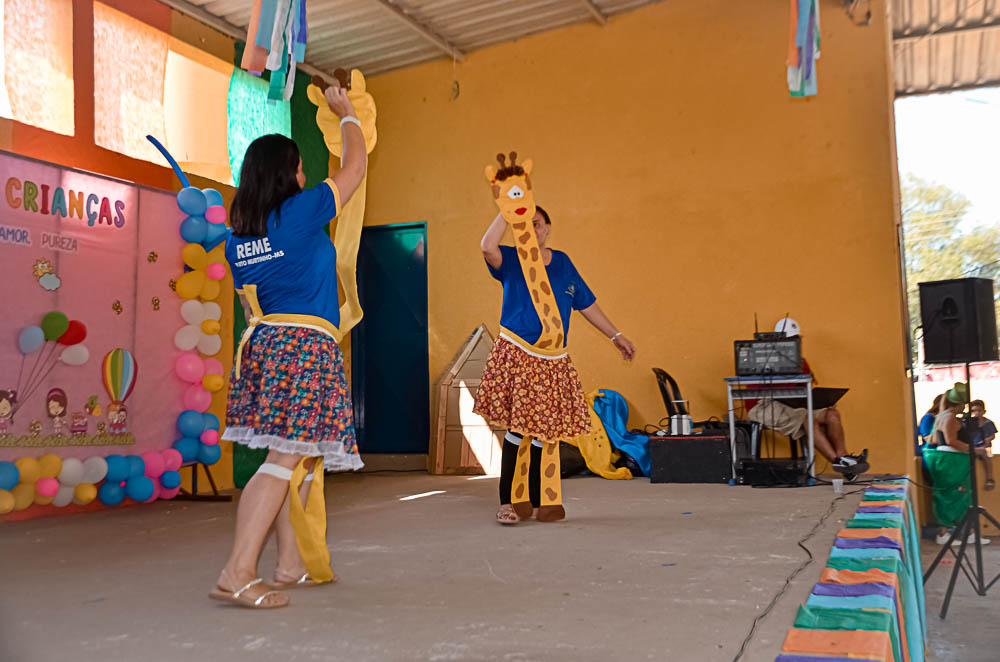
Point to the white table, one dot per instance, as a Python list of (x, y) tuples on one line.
[(776, 387)]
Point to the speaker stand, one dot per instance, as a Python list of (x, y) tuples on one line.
[(968, 525)]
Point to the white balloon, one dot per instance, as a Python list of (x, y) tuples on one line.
[(75, 355), (193, 312), (72, 472), (64, 496), (213, 311), (187, 337), (210, 345), (94, 469)]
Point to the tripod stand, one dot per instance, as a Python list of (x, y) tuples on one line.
[(968, 525)]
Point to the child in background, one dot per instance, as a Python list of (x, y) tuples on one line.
[(983, 431)]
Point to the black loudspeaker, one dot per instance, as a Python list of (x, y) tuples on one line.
[(959, 321), (695, 459)]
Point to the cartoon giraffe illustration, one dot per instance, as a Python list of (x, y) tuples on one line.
[(512, 192)]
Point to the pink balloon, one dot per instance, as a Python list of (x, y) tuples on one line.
[(47, 487), (169, 494), (156, 492), (190, 368), (172, 459), (210, 437), (155, 464), (215, 271), (197, 398), (215, 214), (214, 367)]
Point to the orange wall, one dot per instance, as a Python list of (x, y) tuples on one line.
[(689, 189), (79, 151)]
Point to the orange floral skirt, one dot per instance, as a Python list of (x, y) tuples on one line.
[(531, 395)]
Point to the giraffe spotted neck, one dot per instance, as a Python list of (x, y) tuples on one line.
[(512, 192)]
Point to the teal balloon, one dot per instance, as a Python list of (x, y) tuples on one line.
[(54, 325), (209, 453), (194, 229), (118, 469), (192, 201), (190, 423), (211, 421), (136, 466), (111, 494), (139, 488), (212, 197), (9, 475), (188, 448), (30, 339), (170, 479)]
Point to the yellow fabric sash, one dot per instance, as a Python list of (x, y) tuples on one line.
[(533, 350), (309, 522)]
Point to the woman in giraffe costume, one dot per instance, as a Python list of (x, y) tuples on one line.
[(530, 386)]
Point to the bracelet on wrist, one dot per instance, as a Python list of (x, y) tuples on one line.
[(616, 336), (350, 120)]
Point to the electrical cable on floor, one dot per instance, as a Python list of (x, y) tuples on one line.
[(795, 573)]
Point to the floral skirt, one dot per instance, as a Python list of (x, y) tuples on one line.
[(531, 395), (292, 397)]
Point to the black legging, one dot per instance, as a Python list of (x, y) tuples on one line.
[(508, 465)]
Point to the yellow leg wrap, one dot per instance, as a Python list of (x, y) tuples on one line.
[(309, 522), (551, 509), (520, 496)]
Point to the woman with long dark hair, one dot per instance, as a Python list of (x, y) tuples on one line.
[(289, 392)]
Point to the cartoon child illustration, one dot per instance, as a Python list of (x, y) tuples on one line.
[(117, 418), (8, 398), (78, 424), (55, 405)]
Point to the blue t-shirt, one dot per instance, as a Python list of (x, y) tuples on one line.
[(927, 425), (295, 265), (518, 313), (986, 430)]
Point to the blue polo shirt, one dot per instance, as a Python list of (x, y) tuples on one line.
[(295, 265), (518, 313)]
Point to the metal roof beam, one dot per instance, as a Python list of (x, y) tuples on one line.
[(953, 88), (423, 30), (986, 24), (595, 11)]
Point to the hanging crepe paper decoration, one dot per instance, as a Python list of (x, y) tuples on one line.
[(803, 47), (276, 41)]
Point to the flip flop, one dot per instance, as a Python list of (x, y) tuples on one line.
[(240, 598), (990, 484), (507, 516), (303, 581)]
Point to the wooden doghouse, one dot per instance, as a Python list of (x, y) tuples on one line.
[(465, 443)]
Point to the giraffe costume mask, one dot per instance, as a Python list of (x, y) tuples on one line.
[(513, 194)]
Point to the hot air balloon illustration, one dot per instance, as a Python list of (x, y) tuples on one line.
[(118, 371)]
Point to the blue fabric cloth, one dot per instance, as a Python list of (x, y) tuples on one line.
[(295, 265), (612, 409), (518, 313), (858, 602), (927, 425)]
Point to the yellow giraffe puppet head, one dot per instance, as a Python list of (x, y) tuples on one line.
[(511, 186), (329, 123)]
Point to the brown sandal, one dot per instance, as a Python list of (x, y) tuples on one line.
[(990, 484), (507, 516), (240, 598)]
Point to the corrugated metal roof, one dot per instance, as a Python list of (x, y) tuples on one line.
[(945, 45), (377, 36)]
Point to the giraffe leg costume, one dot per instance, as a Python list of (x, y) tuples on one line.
[(512, 192)]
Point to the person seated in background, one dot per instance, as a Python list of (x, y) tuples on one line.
[(982, 431), (926, 427), (828, 428)]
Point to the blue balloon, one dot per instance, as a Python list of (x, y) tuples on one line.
[(139, 488), (170, 479), (136, 466), (192, 201), (194, 229), (211, 421), (190, 423), (9, 475), (119, 469), (209, 453), (111, 494), (30, 339), (212, 197), (213, 231), (188, 448)]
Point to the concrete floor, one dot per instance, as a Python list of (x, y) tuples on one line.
[(638, 571)]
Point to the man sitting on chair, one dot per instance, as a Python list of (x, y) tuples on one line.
[(828, 429)]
